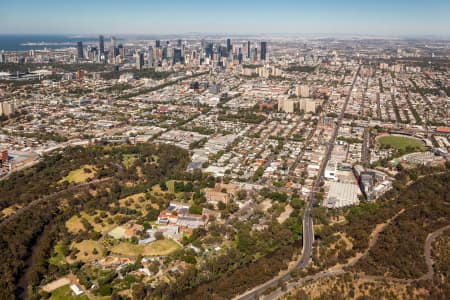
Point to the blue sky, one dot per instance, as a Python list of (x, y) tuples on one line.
[(377, 17)]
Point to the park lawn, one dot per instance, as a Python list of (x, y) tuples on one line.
[(129, 159), (88, 246), (128, 249), (135, 201), (75, 225), (58, 259), (179, 196), (162, 247), (171, 186), (79, 175), (65, 293), (157, 189), (401, 142)]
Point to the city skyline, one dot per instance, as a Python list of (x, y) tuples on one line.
[(251, 17)]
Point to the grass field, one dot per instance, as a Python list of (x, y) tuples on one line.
[(80, 175), (163, 247), (74, 224), (129, 159), (58, 258), (88, 246), (65, 293), (171, 186), (135, 203), (400, 142)]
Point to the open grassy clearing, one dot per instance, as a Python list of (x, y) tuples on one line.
[(80, 175), (10, 210), (135, 202), (58, 259), (86, 248), (162, 247), (129, 159), (400, 142), (65, 293), (74, 224)]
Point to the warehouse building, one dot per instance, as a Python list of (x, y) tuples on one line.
[(342, 195)]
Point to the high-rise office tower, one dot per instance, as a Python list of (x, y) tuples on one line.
[(150, 56), (80, 50), (209, 50), (255, 54), (120, 50), (179, 43), (249, 53), (113, 46), (139, 60), (177, 58), (229, 47), (263, 51), (101, 44), (157, 43)]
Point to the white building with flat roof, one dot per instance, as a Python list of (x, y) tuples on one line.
[(342, 195)]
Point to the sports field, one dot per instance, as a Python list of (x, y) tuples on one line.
[(162, 247), (400, 142)]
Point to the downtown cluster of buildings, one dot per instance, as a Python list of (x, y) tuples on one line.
[(163, 53)]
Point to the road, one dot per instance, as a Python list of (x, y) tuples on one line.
[(365, 148), (308, 232), (338, 269)]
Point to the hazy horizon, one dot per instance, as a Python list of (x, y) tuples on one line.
[(349, 17)]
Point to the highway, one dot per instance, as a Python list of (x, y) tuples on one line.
[(308, 232)]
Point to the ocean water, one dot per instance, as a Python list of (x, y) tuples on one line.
[(37, 42)]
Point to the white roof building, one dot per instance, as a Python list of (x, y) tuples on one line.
[(342, 195)]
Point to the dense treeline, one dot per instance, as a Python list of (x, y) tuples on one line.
[(362, 219), (26, 241), (243, 116), (399, 248), (146, 73), (231, 281), (258, 256), (23, 68)]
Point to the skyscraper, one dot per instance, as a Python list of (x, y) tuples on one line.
[(177, 58), (209, 50), (179, 43), (101, 44), (229, 47), (263, 50), (139, 60), (157, 43), (248, 50), (150, 56), (113, 46), (80, 50)]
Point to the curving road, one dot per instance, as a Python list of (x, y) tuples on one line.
[(340, 270), (308, 232)]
